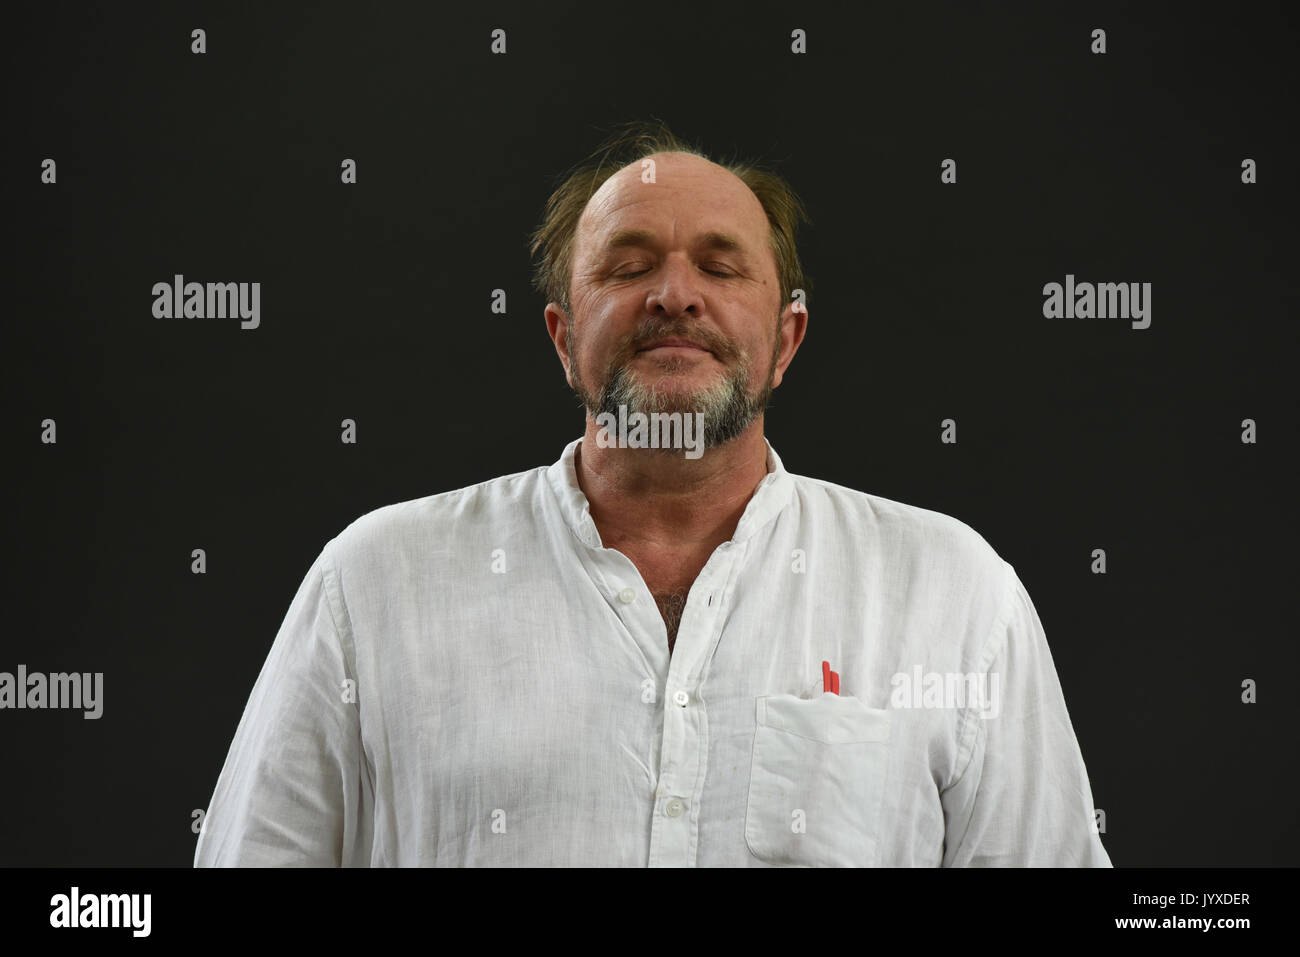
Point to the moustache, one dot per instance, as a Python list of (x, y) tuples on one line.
[(645, 337)]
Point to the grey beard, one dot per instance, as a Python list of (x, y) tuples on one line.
[(728, 409)]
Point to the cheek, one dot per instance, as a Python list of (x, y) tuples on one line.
[(591, 348), (756, 340), (605, 328)]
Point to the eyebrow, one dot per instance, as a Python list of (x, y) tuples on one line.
[(624, 238)]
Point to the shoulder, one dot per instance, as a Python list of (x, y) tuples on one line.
[(890, 522), (903, 536), (436, 523)]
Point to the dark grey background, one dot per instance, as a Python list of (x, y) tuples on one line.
[(925, 304)]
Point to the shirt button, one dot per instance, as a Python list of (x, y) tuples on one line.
[(682, 698), (674, 807), (627, 596)]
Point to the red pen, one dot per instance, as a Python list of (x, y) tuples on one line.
[(830, 679)]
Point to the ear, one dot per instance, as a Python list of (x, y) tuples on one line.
[(792, 328), (557, 327)]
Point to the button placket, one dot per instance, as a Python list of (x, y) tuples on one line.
[(684, 745)]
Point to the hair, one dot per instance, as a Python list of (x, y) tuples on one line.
[(629, 143)]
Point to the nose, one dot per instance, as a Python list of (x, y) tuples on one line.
[(677, 291)]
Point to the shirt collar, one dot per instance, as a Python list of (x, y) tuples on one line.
[(769, 498)]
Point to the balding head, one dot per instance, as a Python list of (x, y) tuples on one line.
[(669, 187), (554, 239)]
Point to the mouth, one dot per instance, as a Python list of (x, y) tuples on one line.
[(682, 345)]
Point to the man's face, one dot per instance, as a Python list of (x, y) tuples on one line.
[(683, 258)]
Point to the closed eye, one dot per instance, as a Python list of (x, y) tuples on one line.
[(641, 272)]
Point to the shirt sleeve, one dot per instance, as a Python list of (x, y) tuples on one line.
[(291, 792), (1023, 798)]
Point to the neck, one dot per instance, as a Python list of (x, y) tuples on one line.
[(651, 497)]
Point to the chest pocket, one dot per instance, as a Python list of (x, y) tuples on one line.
[(816, 781)]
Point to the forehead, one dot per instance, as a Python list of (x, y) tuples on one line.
[(691, 197)]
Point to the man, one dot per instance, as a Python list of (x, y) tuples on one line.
[(644, 656)]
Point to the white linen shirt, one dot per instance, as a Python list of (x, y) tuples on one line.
[(472, 679)]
